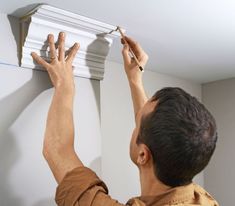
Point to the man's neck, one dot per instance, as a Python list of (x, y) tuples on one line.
[(150, 185)]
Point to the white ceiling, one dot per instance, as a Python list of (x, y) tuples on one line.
[(191, 39)]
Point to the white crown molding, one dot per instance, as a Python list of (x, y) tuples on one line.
[(94, 37)]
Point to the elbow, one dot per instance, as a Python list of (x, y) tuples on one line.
[(46, 152), (52, 150)]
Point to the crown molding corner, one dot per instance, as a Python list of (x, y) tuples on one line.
[(95, 39)]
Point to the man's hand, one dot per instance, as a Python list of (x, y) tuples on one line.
[(131, 67), (58, 147), (60, 68), (134, 75)]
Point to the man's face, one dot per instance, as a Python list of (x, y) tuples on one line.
[(145, 110)]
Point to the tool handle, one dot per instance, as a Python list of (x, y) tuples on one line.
[(132, 53)]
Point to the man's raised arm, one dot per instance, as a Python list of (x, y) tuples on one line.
[(59, 136), (78, 185), (134, 75)]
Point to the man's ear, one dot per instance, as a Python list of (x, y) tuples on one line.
[(144, 155)]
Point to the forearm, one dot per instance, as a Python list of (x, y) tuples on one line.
[(134, 75), (139, 97), (59, 136)]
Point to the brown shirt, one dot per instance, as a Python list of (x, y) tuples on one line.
[(82, 187)]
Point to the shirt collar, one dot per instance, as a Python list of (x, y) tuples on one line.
[(174, 195)]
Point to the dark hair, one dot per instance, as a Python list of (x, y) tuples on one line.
[(181, 135)]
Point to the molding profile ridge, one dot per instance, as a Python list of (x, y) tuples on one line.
[(95, 39)]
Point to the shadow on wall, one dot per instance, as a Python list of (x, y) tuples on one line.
[(91, 49), (95, 165), (8, 157), (15, 25), (15, 28), (46, 202), (11, 107)]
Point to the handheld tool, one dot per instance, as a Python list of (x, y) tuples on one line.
[(132, 53)]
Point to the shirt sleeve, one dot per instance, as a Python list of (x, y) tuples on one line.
[(82, 186)]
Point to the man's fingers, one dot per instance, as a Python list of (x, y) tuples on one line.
[(122, 41), (136, 48), (61, 46), (73, 53), (40, 60), (51, 43), (125, 54), (130, 41)]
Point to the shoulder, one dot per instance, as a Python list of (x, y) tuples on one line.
[(135, 202), (203, 196), (82, 186)]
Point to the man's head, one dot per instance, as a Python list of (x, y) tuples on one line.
[(176, 134)]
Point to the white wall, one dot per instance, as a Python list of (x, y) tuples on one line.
[(25, 178), (219, 97), (8, 48), (25, 95), (117, 120)]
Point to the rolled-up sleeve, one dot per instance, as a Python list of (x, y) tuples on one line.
[(82, 186)]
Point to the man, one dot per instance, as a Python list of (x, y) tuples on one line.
[(174, 139)]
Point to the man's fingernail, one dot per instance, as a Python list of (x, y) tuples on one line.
[(76, 45), (50, 36)]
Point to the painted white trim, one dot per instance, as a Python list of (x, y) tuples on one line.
[(94, 37)]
